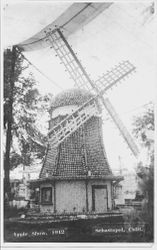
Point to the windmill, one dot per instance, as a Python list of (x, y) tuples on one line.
[(75, 167), (73, 66), (76, 176)]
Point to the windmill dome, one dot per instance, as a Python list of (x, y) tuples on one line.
[(71, 97)]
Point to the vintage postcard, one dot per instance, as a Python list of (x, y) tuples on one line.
[(78, 91)]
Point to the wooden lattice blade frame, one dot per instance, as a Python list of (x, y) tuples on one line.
[(82, 80)]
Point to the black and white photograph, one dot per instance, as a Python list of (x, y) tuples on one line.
[(78, 133)]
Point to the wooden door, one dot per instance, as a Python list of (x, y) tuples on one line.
[(100, 198)]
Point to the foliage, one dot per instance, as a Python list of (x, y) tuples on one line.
[(145, 172), (135, 219), (143, 124), (28, 105), (11, 211)]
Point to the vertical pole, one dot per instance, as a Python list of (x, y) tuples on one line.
[(87, 207), (85, 157), (54, 196), (9, 126), (112, 195), (120, 165)]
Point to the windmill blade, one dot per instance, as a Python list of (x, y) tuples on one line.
[(108, 80), (69, 59), (118, 73), (126, 135), (77, 72), (72, 122), (82, 80)]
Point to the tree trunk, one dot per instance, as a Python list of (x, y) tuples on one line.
[(7, 188)]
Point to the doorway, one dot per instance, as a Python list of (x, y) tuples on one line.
[(99, 198)]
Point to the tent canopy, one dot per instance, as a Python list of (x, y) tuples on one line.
[(74, 18)]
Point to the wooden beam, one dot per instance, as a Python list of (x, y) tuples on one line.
[(54, 197)]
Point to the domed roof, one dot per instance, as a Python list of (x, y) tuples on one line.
[(71, 97)]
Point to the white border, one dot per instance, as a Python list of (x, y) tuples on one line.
[(114, 245)]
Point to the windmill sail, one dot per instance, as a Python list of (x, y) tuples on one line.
[(82, 80), (63, 50), (121, 126), (71, 123), (75, 69)]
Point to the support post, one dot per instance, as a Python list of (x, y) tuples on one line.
[(87, 206), (54, 196), (9, 126), (86, 163)]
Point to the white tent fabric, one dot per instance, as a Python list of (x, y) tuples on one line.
[(73, 18)]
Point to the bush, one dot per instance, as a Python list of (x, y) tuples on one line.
[(13, 211)]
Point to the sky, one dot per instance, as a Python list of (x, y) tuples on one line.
[(125, 31)]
